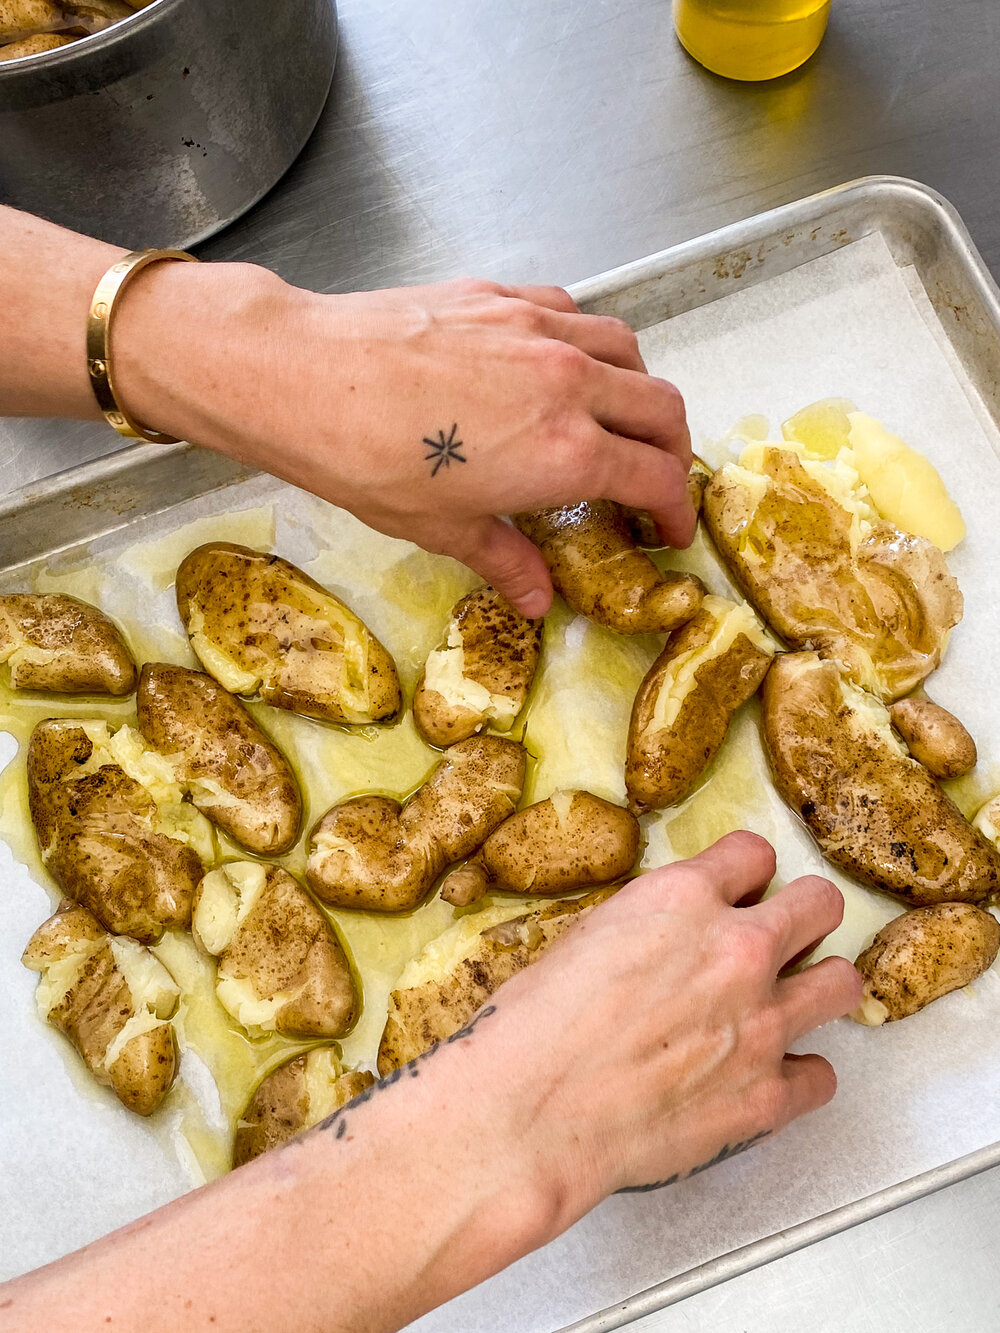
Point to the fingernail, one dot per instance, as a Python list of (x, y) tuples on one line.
[(534, 604)]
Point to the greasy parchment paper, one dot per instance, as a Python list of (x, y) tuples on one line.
[(73, 1164)]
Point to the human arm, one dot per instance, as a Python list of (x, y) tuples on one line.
[(339, 394), (491, 1144)]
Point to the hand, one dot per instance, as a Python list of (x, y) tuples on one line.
[(660, 1025), (425, 411)]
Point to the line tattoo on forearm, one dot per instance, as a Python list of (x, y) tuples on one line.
[(444, 450), (338, 1120), (726, 1151)]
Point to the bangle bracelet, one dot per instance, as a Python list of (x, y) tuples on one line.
[(102, 306)]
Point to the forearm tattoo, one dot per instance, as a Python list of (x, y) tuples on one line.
[(728, 1150), (338, 1121), (444, 450)]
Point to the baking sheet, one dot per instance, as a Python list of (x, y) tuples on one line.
[(911, 1097)]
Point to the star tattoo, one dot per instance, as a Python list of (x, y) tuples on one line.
[(444, 450)]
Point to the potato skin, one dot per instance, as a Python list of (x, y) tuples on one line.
[(873, 810), (662, 765), (501, 649), (188, 716), (572, 841), (281, 1106), (597, 567), (97, 1006), (372, 853), (85, 650), (96, 841), (420, 1016), (935, 737), (286, 944), (280, 626), (922, 955), (884, 610)]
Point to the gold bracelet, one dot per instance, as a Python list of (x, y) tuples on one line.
[(102, 307)]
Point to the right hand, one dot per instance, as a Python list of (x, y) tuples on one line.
[(659, 1025)]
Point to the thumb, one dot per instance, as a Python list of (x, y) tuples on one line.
[(506, 560)]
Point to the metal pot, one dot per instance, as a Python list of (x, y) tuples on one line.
[(165, 127)]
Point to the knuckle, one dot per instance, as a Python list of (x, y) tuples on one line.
[(566, 364), (477, 287), (772, 1100), (753, 947)]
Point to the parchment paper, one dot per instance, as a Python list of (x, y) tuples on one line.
[(73, 1164)]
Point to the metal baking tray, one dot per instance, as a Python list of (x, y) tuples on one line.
[(921, 230)]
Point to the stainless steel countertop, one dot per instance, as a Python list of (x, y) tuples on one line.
[(548, 142)]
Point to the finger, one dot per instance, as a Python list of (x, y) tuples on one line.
[(641, 407), (818, 995), (810, 1083), (801, 914), (644, 478), (600, 336), (552, 298), (505, 559), (738, 864)]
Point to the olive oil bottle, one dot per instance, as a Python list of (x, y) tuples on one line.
[(751, 39)]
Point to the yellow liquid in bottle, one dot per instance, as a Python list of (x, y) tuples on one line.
[(751, 39)]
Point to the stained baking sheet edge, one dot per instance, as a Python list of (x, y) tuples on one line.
[(920, 228)]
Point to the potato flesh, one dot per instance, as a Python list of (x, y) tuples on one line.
[(922, 955), (114, 1001), (811, 554), (294, 1097), (372, 853), (682, 709), (573, 840), (482, 673), (235, 775), (281, 967), (440, 991), (257, 622), (874, 811), (101, 832), (58, 643), (597, 567)]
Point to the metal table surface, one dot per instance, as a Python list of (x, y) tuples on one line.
[(548, 142)]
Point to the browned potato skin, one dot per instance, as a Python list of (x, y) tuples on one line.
[(34, 45), (96, 1008), (90, 654), (893, 601), (286, 942), (935, 737), (424, 1015), (279, 1108), (597, 567), (641, 524), (922, 955), (537, 852), (401, 850), (877, 814), (662, 767), (95, 841), (188, 713), (501, 653), (225, 581), (18, 18)]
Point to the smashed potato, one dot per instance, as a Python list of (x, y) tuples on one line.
[(373, 853), (113, 999), (55, 642), (922, 955), (281, 967), (112, 829), (294, 1097), (597, 567), (440, 990), (482, 672), (573, 840), (233, 773), (874, 810), (825, 572), (707, 670), (261, 626), (935, 737)]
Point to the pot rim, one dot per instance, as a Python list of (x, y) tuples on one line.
[(110, 36)]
